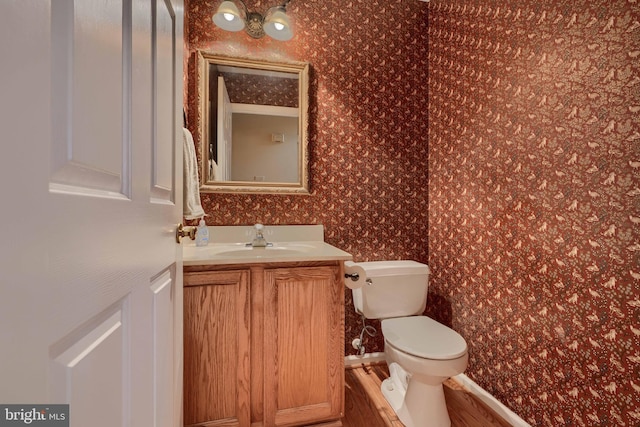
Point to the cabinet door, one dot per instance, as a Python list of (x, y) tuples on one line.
[(303, 345), (216, 348)]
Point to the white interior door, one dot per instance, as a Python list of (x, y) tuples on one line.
[(225, 131), (90, 175)]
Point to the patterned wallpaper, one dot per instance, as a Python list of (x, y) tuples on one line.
[(534, 201), (526, 116), (368, 127), (261, 90)]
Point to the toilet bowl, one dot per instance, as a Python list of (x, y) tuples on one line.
[(420, 352)]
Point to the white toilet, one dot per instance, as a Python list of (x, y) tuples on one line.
[(421, 353)]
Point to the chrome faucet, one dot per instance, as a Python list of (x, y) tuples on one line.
[(259, 241)]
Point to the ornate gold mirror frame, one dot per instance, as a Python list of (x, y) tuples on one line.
[(211, 179)]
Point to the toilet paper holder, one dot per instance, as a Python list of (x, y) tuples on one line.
[(355, 277)]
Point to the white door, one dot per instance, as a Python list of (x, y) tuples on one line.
[(225, 131), (90, 180)]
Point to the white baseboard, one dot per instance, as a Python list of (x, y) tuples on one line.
[(367, 358), (507, 414)]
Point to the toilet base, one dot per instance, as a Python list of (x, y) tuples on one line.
[(422, 405)]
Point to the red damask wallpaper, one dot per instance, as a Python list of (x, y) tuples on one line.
[(261, 90), (498, 141), (368, 127), (534, 201)]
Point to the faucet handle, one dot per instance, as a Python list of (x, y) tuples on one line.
[(258, 240)]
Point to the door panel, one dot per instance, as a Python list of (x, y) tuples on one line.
[(89, 137), (101, 342), (164, 138), (164, 340)]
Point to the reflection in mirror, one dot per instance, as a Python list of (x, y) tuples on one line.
[(253, 117)]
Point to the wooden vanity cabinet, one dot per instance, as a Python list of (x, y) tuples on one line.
[(264, 345)]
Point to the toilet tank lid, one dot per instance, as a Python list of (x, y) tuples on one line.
[(392, 268)]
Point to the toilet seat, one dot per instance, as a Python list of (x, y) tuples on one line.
[(423, 337)]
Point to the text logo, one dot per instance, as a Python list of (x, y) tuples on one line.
[(34, 415)]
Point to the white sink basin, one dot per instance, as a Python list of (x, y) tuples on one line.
[(278, 249), (233, 253)]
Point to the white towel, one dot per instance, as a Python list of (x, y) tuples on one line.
[(192, 208)]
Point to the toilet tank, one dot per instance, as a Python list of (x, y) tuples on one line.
[(397, 289)]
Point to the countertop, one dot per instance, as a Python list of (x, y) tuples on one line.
[(228, 247)]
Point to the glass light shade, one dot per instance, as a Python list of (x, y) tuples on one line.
[(277, 24), (228, 17)]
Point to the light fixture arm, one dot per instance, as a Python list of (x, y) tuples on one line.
[(244, 6), (246, 9), (282, 6)]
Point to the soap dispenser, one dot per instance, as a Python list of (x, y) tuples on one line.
[(202, 234)]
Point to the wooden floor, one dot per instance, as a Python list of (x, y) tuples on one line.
[(365, 406)]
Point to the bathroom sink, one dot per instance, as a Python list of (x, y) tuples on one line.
[(269, 252), (275, 250), (232, 253)]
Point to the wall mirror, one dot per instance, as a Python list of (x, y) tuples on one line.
[(253, 125)]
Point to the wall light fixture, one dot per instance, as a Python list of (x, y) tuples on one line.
[(275, 22)]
